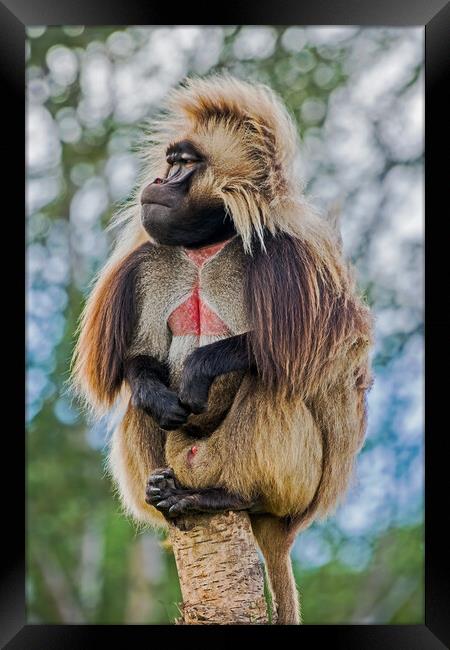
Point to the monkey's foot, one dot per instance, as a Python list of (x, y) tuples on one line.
[(167, 495)]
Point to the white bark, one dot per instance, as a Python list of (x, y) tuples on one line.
[(221, 576)]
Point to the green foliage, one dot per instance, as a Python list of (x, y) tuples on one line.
[(389, 590)]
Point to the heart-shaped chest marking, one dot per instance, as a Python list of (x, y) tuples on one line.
[(194, 316)]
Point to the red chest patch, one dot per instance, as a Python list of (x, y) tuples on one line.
[(194, 316)]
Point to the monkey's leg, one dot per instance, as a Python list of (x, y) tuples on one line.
[(268, 446), (166, 494), (137, 448), (208, 362), (148, 379), (275, 538)]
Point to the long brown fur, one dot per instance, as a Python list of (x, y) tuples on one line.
[(106, 329), (292, 433), (301, 312)]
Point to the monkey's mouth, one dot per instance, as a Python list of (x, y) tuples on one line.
[(159, 203)]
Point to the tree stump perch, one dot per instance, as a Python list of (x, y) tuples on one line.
[(221, 575)]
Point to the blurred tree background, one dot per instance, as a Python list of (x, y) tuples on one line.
[(357, 97)]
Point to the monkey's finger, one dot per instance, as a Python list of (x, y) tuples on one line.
[(175, 416), (195, 406), (182, 408), (181, 413), (172, 423)]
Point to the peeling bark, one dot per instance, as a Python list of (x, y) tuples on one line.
[(221, 575)]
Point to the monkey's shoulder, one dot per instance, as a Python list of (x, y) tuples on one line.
[(149, 256)]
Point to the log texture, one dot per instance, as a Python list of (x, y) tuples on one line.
[(221, 575)]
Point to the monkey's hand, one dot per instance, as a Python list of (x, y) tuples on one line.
[(195, 382), (161, 403)]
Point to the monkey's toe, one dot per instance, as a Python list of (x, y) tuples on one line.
[(160, 474), (183, 505), (165, 493), (176, 504), (178, 501), (160, 483), (154, 495)]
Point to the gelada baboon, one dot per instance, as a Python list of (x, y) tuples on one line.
[(228, 326)]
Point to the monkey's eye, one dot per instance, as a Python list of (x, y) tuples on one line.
[(177, 163), (187, 160)]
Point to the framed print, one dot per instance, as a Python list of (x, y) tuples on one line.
[(225, 297)]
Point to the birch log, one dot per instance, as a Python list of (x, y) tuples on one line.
[(221, 576)]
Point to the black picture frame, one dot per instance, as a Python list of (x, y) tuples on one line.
[(434, 16)]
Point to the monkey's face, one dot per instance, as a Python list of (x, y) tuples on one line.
[(173, 212)]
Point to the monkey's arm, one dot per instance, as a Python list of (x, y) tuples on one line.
[(106, 352), (208, 362), (148, 379), (106, 331)]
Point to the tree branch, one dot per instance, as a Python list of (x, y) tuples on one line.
[(221, 576)]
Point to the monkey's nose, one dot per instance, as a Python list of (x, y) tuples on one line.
[(150, 193)]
